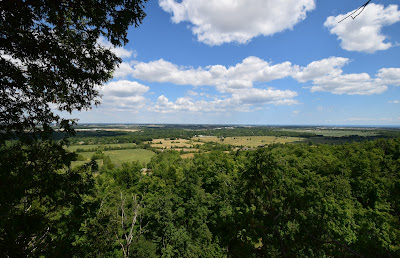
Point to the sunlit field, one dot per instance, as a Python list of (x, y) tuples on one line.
[(250, 141)]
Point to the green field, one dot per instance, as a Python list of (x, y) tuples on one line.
[(96, 146), (119, 156), (335, 132), (250, 141)]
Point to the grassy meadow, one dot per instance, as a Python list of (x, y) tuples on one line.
[(117, 156), (249, 141), (99, 146), (129, 155), (167, 143), (336, 132)]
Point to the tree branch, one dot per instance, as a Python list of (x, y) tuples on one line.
[(351, 15)]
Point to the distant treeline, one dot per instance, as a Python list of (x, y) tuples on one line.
[(108, 147), (148, 134)]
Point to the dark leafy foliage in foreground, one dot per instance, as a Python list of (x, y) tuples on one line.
[(50, 57), (42, 204)]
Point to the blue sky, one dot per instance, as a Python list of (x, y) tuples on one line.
[(257, 62)]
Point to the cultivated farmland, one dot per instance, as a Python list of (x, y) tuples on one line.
[(249, 141)]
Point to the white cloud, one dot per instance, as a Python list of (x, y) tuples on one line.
[(364, 32), (264, 96), (123, 94), (351, 84), (226, 79), (390, 76), (393, 101), (187, 105), (325, 75), (317, 69), (241, 100), (14, 61), (119, 51), (163, 71), (222, 21), (123, 70), (124, 87)]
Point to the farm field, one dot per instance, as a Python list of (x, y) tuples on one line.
[(335, 132), (119, 156), (250, 141), (176, 144), (96, 146), (187, 156)]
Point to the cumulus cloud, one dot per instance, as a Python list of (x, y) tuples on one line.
[(123, 70), (264, 96), (317, 69), (351, 84), (163, 71), (393, 101), (240, 100), (215, 22), (226, 79), (124, 87), (327, 75), (389, 76), (163, 105), (124, 94), (119, 51), (364, 33), (237, 84)]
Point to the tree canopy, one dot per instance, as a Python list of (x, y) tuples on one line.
[(50, 57)]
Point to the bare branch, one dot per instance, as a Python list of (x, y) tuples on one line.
[(344, 246), (279, 235), (126, 239), (360, 8)]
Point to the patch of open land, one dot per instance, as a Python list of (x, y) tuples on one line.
[(249, 141), (100, 146), (335, 132), (176, 144), (119, 156), (107, 129)]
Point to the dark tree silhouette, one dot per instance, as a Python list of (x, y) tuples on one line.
[(49, 57)]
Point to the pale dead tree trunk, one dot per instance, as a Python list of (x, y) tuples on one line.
[(124, 238)]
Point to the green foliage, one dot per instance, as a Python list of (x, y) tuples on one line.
[(284, 200), (42, 203), (97, 155), (280, 200), (50, 57), (50, 54), (128, 174)]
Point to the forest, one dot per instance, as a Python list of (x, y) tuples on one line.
[(277, 200)]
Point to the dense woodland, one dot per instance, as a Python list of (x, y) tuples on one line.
[(285, 200)]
